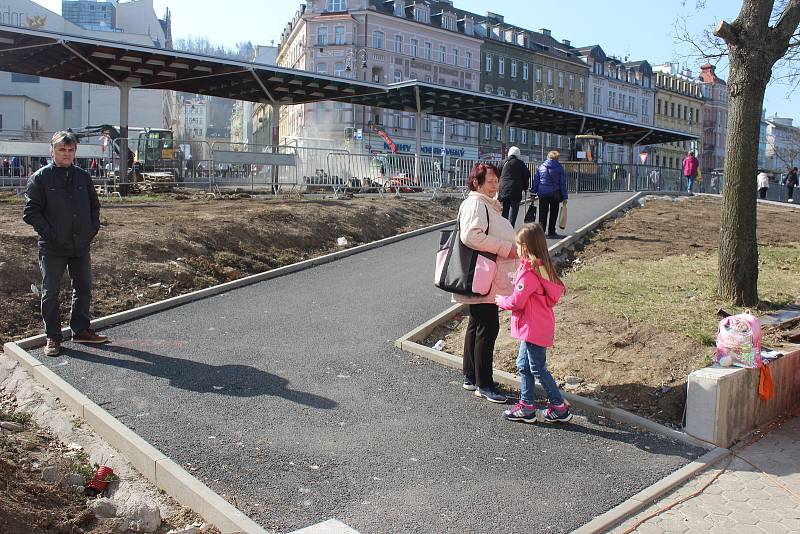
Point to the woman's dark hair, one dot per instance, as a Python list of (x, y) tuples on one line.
[(478, 175)]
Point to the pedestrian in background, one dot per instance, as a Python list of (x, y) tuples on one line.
[(514, 181), (762, 183), (690, 166), (483, 228), (62, 206), (550, 185), (791, 183), (537, 289)]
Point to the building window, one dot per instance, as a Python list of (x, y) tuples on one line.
[(525, 72), (582, 84), (426, 123), (536, 138), (548, 140), (337, 5), (538, 75), (377, 40), (442, 54), (513, 68), (501, 66), (322, 68), (498, 134), (487, 131), (455, 56), (644, 108), (571, 85), (398, 44), (414, 44), (338, 69), (672, 109), (398, 76), (512, 135), (428, 49), (488, 63), (611, 100), (549, 76), (621, 105), (322, 36), (67, 99), (338, 35), (523, 137), (468, 59), (560, 80)]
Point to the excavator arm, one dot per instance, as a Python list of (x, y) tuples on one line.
[(103, 129)]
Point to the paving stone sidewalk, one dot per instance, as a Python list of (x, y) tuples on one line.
[(743, 499)]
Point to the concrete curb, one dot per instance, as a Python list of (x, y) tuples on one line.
[(148, 460), (649, 495), (135, 313)]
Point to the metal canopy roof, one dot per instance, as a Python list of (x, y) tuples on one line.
[(486, 108), (100, 61), (69, 57)]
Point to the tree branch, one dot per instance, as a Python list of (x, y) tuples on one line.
[(789, 20), (725, 31)]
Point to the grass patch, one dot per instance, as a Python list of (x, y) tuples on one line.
[(17, 417), (678, 293)]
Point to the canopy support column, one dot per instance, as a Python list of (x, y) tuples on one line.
[(276, 139), (124, 149), (418, 137), (506, 137)]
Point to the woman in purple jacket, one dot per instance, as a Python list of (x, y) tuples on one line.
[(550, 185)]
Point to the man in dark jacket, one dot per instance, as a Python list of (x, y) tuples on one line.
[(514, 180), (550, 185), (62, 206)]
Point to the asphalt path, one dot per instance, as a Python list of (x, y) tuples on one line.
[(288, 398)]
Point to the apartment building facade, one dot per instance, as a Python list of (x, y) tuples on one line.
[(679, 106), (532, 66), (715, 120), (383, 42), (622, 90), (782, 150)]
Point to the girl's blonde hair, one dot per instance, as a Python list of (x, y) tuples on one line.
[(531, 238), (553, 154)]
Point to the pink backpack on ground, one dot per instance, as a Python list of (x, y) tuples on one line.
[(739, 338)]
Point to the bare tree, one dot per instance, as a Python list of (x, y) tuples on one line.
[(754, 46)]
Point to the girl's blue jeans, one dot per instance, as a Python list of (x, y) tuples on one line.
[(532, 364)]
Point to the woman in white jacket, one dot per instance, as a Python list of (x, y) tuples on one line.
[(484, 228)]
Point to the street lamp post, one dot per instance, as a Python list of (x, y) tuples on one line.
[(350, 65)]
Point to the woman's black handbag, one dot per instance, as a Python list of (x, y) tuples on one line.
[(462, 270), (530, 215)]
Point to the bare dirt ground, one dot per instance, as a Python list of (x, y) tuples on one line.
[(630, 353), (149, 251)]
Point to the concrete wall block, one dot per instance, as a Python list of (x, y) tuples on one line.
[(68, 395)]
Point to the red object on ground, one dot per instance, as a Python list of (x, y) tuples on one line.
[(99, 481)]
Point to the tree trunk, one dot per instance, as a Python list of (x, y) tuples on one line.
[(738, 249)]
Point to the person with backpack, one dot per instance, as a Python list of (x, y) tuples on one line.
[(550, 185), (791, 182), (514, 180), (537, 289)]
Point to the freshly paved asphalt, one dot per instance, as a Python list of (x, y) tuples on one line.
[(288, 398)]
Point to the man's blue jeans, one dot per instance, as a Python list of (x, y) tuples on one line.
[(690, 183), (532, 363), (80, 274)]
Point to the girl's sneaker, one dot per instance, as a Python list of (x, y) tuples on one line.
[(555, 414), (522, 411), (469, 384)]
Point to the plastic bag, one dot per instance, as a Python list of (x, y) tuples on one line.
[(739, 341)]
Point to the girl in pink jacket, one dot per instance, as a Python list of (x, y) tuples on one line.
[(537, 289)]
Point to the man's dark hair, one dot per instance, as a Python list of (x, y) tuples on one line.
[(67, 138)]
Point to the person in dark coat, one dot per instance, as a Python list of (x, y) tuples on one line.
[(550, 185), (62, 206), (514, 180), (791, 183)]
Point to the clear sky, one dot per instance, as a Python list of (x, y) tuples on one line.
[(640, 29)]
